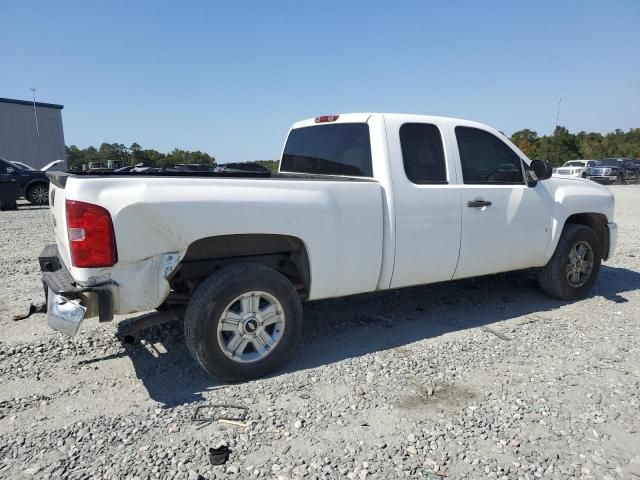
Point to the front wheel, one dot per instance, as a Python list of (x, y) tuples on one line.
[(574, 266), (243, 322)]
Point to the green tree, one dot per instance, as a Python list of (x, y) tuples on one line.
[(74, 157), (270, 164), (527, 141), (559, 147), (136, 153)]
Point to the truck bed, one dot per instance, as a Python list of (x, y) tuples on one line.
[(60, 178), (338, 219)]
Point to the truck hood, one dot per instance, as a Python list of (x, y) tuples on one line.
[(570, 181), (578, 195), (49, 165)]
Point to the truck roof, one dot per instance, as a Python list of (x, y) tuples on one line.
[(408, 117)]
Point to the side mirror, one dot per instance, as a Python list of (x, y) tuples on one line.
[(541, 169)]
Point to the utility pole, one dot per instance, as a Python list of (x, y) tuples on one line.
[(558, 114), (35, 113)]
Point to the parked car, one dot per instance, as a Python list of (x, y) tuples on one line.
[(47, 167), (241, 167), (575, 168), (192, 167), (615, 170), (361, 202), (32, 184)]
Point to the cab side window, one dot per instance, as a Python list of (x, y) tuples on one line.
[(423, 153), (486, 159)]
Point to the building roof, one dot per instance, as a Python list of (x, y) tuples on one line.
[(30, 103)]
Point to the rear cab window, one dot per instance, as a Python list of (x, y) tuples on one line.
[(338, 149), (423, 153)]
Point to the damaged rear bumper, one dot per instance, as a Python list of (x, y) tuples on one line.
[(67, 302)]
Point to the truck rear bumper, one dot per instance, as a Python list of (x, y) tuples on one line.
[(67, 302)]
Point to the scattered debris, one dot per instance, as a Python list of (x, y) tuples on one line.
[(229, 414), (219, 454), (501, 336), (33, 309), (232, 422)]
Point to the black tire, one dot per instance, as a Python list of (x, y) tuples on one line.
[(620, 179), (38, 194), (637, 178), (584, 175), (553, 277), (8, 205), (210, 301)]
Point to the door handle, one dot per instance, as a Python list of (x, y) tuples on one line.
[(478, 203)]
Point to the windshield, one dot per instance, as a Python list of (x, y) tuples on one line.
[(609, 162), (574, 164), (340, 149)]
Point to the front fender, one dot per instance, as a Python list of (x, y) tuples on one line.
[(573, 196)]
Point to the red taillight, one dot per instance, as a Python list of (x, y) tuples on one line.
[(91, 238), (327, 118)]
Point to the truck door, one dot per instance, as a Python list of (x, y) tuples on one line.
[(427, 202), (505, 223)]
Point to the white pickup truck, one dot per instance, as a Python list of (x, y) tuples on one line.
[(361, 202)]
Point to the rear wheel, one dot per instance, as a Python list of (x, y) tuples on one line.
[(38, 194), (574, 266), (243, 322)]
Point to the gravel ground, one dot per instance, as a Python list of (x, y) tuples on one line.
[(481, 378)]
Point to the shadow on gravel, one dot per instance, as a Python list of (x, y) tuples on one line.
[(343, 328), (161, 360)]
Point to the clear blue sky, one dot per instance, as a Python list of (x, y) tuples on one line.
[(229, 77)]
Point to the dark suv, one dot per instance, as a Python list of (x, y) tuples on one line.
[(32, 184), (615, 170)]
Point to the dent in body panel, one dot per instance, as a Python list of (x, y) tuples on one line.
[(340, 223)]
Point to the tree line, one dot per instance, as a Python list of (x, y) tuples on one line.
[(133, 155), (563, 145), (556, 148)]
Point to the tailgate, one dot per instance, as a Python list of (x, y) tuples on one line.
[(57, 207)]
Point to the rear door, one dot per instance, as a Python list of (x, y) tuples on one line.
[(427, 201), (505, 223)]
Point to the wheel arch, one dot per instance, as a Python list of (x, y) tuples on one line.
[(33, 182), (597, 222), (284, 253)]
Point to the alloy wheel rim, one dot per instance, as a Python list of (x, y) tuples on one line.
[(40, 195), (579, 264), (251, 326)]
